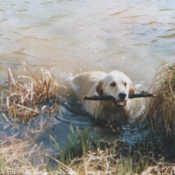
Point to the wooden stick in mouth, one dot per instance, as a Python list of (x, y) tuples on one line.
[(113, 99), (142, 94)]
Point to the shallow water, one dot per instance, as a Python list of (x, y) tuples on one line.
[(74, 36)]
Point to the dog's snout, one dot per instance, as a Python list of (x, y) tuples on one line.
[(122, 96)]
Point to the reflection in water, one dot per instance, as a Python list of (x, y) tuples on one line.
[(75, 36)]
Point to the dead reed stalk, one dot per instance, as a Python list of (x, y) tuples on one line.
[(26, 91), (24, 157), (17, 155), (161, 108)]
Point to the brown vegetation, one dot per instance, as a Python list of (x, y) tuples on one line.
[(25, 92), (24, 100), (161, 108)]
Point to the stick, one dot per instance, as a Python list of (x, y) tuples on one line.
[(142, 94), (98, 98)]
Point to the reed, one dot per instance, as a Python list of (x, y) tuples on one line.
[(25, 92), (83, 153), (161, 108), (28, 95), (16, 155), (77, 145), (86, 154)]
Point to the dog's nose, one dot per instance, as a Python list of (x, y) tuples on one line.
[(122, 96)]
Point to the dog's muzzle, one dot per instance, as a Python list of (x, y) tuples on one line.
[(122, 100), (120, 103)]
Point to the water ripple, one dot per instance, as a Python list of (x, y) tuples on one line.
[(168, 36)]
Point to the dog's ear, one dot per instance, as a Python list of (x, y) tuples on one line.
[(99, 88), (131, 90)]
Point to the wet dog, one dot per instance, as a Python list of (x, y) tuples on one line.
[(115, 84)]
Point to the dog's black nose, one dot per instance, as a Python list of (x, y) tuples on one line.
[(122, 96)]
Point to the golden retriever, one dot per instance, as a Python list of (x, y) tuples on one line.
[(115, 84)]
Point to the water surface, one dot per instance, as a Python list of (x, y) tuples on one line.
[(72, 36)]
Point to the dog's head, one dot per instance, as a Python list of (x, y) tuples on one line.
[(116, 84)]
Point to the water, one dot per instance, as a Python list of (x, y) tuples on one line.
[(74, 36)]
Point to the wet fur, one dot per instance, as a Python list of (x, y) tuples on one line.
[(100, 83)]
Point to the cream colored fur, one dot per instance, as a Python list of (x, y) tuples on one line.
[(115, 83)]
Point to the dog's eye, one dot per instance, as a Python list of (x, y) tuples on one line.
[(113, 84), (125, 84)]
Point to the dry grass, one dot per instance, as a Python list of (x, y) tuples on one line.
[(25, 98), (25, 157), (16, 154), (95, 163), (107, 162), (25, 92), (29, 95), (88, 155), (160, 169), (161, 108)]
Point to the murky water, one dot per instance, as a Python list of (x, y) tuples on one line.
[(74, 36)]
